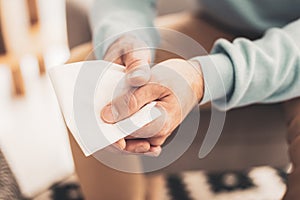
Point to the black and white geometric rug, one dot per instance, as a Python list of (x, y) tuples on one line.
[(260, 183)]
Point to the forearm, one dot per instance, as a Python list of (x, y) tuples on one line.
[(266, 70), (116, 17)]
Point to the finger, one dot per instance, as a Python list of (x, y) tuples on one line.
[(137, 145), (134, 55), (158, 141), (154, 151), (151, 129), (117, 60), (137, 67), (140, 75), (117, 147), (113, 54), (147, 131), (155, 148), (160, 138), (128, 104), (120, 144)]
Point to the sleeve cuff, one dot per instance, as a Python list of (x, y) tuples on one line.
[(113, 27), (218, 77)]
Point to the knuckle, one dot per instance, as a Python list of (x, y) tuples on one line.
[(159, 139), (132, 102), (156, 141), (134, 63), (141, 93), (125, 105)]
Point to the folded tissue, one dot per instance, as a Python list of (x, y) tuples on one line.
[(82, 90)]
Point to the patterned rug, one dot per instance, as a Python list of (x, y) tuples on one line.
[(260, 183), (8, 186)]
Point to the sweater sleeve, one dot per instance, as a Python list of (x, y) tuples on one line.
[(110, 19), (244, 72)]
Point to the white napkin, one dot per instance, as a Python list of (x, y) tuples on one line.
[(83, 89)]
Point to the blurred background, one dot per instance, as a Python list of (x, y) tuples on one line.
[(33, 136)]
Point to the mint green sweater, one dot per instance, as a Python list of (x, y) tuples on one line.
[(265, 70)]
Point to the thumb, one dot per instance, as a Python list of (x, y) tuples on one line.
[(138, 73), (137, 67)]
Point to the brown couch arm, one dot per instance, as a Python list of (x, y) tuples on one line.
[(292, 112), (96, 179)]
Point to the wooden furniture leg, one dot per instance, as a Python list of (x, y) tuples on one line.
[(41, 63), (18, 81), (16, 74)]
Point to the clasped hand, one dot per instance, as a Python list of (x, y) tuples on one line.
[(175, 84)]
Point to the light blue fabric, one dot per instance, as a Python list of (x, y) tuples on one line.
[(265, 70), (111, 18), (252, 16)]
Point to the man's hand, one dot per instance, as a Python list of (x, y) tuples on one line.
[(176, 85), (134, 54)]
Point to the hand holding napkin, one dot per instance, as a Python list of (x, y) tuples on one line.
[(83, 89)]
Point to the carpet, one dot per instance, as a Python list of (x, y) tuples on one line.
[(8, 186), (259, 183)]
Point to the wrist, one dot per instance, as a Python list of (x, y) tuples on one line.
[(199, 81), (192, 73)]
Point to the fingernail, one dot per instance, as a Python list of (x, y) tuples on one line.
[(138, 77), (109, 114), (137, 73), (140, 149)]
